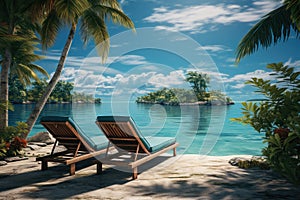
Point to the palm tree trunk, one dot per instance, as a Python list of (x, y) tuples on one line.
[(4, 89), (42, 101)]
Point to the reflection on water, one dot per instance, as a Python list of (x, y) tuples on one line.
[(198, 129)]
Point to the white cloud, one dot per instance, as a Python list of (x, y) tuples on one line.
[(238, 81), (87, 81), (173, 79), (137, 83), (215, 48), (291, 63), (131, 60), (194, 18), (238, 85), (244, 77)]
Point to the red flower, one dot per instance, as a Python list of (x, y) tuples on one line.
[(282, 132), (7, 145), (19, 143)]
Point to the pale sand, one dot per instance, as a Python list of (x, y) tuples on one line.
[(181, 177)]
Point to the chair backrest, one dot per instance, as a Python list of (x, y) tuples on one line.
[(123, 133), (67, 133)]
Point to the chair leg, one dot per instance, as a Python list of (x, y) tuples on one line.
[(99, 168), (135, 173), (174, 152), (72, 169), (44, 165)]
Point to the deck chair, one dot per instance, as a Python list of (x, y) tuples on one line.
[(78, 145), (122, 132)]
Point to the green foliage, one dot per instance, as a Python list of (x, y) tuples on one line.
[(199, 82), (278, 118), (274, 27), (79, 97), (216, 95), (18, 93), (8, 105), (175, 96), (38, 88), (172, 96), (62, 92), (10, 142)]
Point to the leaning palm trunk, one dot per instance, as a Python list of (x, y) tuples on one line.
[(4, 89), (42, 101)]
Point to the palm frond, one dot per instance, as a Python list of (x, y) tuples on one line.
[(37, 68), (112, 3), (70, 10), (26, 73), (40, 8), (273, 27), (23, 72), (294, 5), (50, 28), (116, 15), (93, 26)]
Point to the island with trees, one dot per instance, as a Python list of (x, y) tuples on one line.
[(198, 95), (62, 93)]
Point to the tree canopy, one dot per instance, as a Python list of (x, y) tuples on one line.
[(275, 26)]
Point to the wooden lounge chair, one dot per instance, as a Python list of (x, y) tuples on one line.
[(124, 135), (78, 145)]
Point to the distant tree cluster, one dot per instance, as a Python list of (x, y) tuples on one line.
[(173, 96), (19, 93), (198, 94)]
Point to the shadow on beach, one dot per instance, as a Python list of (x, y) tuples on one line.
[(250, 184), (186, 178), (56, 183)]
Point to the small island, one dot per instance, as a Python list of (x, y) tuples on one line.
[(198, 95)]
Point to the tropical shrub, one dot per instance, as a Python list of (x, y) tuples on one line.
[(278, 118), (11, 143)]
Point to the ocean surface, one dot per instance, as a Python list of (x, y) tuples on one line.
[(205, 130)]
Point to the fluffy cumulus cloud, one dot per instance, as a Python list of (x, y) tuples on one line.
[(88, 82), (238, 81), (195, 18), (137, 83)]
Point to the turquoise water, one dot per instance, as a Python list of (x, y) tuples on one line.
[(199, 129)]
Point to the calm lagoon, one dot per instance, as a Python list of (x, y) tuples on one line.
[(205, 130)]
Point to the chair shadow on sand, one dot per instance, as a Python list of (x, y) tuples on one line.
[(55, 183), (222, 183)]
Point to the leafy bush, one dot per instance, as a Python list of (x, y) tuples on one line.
[(278, 118), (11, 143)]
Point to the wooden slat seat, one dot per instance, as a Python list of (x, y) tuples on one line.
[(79, 146), (122, 132)]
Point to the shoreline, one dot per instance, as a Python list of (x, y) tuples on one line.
[(188, 176), (198, 103)]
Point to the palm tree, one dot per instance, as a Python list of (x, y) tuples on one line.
[(273, 27), (15, 28), (199, 83), (92, 15)]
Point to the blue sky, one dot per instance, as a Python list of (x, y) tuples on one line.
[(172, 38)]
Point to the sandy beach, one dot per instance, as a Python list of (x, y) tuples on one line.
[(180, 177)]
